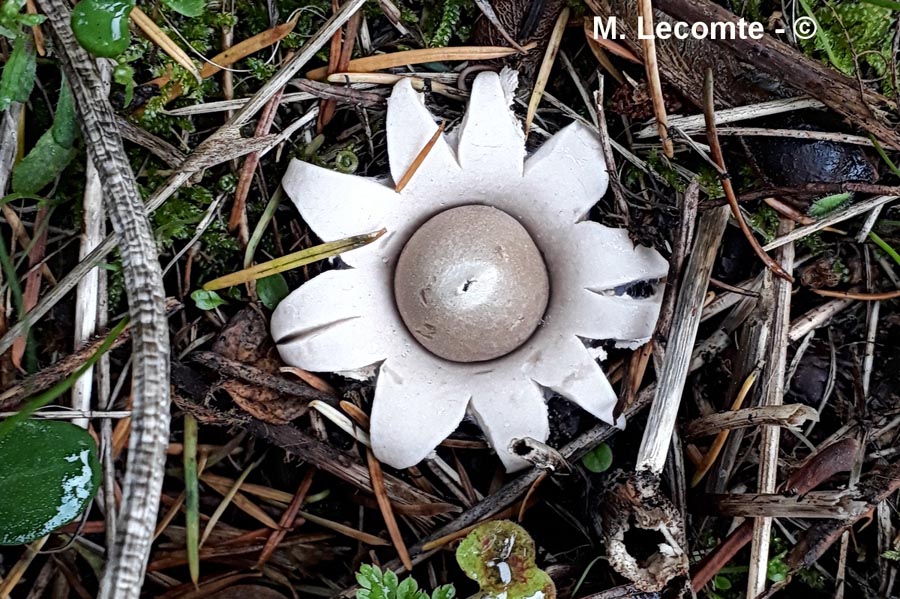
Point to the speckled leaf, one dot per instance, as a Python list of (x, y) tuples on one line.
[(50, 475), (499, 556)]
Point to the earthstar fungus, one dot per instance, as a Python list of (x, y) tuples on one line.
[(478, 298)]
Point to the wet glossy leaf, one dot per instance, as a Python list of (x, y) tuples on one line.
[(50, 475), (598, 459), (500, 557), (271, 290), (189, 8), (18, 74), (101, 26)]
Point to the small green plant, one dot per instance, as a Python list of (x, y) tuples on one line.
[(207, 300), (17, 79), (443, 22), (375, 584), (765, 222)]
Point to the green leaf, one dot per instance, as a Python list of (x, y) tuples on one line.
[(101, 26), (598, 459), (123, 74), (18, 74), (189, 8), (499, 555), (207, 300), (828, 204), (53, 151), (271, 290), (50, 475), (721, 583), (65, 123), (448, 591)]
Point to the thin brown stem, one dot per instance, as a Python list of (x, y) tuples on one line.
[(713, 140)]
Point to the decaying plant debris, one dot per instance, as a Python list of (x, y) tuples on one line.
[(761, 454)]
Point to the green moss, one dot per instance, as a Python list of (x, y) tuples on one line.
[(444, 20), (765, 222)]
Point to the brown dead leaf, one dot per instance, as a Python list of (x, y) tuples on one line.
[(246, 339)]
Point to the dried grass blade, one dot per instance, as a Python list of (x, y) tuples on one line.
[(295, 260), (165, 43), (337, 527), (231, 494), (546, 66), (648, 42), (287, 518), (488, 11), (409, 57), (192, 498), (713, 140)]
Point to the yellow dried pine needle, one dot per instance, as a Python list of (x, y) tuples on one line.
[(295, 260), (546, 66), (719, 442), (165, 43), (408, 57)]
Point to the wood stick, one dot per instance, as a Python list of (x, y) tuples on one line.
[(818, 468), (661, 422), (812, 77), (838, 505), (773, 380), (787, 415)]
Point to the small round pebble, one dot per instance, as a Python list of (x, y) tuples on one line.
[(471, 285)]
